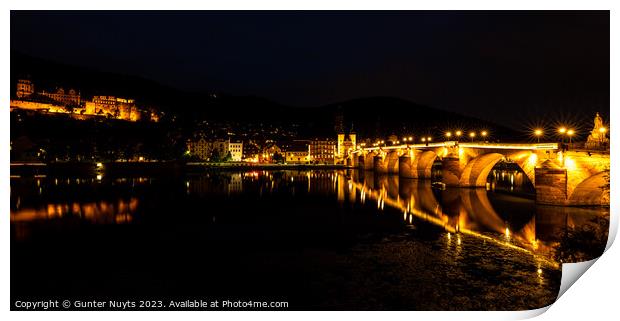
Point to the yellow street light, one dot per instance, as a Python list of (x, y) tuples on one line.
[(484, 133), (538, 133), (472, 135), (448, 134), (562, 131), (429, 138), (423, 139), (410, 138), (570, 133)]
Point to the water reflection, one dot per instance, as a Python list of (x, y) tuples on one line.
[(501, 219)]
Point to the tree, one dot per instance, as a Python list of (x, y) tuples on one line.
[(278, 158), (228, 157), (216, 156)]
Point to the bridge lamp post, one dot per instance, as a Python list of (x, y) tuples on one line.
[(538, 133), (562, 131), (448, 135), (570, 134), (484, 134), (602, 130), (458, 134), (472, 135)]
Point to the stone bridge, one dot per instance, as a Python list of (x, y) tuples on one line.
[(560, 177)]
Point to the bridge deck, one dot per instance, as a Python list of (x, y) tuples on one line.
[(538, 146)]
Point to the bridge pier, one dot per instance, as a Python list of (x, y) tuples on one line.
[(367, 162), (451, 171), (407, 167), (551, 184), (392, 162), (380, 165)]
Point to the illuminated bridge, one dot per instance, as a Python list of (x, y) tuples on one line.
[(560, 177)]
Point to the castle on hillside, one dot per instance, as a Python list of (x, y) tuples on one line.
[(70, 102)]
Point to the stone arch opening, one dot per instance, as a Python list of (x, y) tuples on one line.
[(425, 164), (592, 191), (476, 172), (511, 177)]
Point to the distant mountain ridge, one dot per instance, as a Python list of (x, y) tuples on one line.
[(370, 116)]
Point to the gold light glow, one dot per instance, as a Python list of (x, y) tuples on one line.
[(532, 159), (602, 130), (538, 132), (570, 132), (484, 133), (458, 133), (472, 134), (448, 134), (562, 130)]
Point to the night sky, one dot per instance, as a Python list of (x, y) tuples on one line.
[(511, 67)]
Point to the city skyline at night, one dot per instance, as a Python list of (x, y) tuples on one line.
[(306, 160)]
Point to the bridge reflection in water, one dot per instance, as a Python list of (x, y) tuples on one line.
[(502, 219), (387, 242)]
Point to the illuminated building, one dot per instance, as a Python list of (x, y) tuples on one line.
[(216, 150), (25, 88), (70, 102), (70, 98), (322, 151), (345, 145), (236, 150), (297, 153), (116, 107), (199, 148), (268, 152)]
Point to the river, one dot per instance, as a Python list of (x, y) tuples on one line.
[(318, 239)]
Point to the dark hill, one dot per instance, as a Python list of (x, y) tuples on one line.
[(370, 117)]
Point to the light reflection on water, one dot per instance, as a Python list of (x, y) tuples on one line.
[(498, 218)]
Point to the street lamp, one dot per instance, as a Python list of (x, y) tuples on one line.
[(602, 130), (484, 134), (562, 131), (458, 134), (538, 133), (448, 134), (423, 139), (429, 138), (570, 133), (472, 135)]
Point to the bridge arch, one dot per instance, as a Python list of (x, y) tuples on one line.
[(591, 191), (425, 163), (477, 170)]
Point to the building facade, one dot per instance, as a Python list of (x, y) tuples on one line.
[(69, 98), (236, 151), (25, 88), (297, 152), (346, 144), (322, 151), (112, 106), (215, 151)]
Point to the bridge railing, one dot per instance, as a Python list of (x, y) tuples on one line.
[(525, 146)]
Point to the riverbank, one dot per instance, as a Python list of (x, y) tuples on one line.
[(33, 169)]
